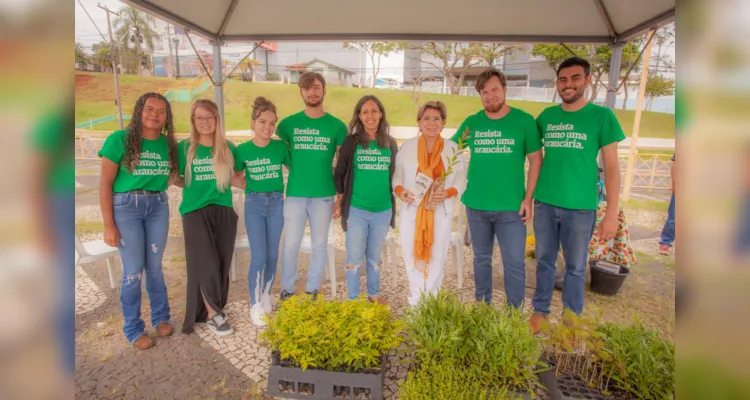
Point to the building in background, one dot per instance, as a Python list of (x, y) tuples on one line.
[(519, 66), (334, 75), (271, 58)]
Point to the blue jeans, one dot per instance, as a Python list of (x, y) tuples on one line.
[(143, 222), (508, 228), (555, 226), (365, 237), (264, 220), (667, 234), (297, 210)]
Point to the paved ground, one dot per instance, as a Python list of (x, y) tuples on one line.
[(203, 366)]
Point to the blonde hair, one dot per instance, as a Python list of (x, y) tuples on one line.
[(438, 106), (223, 161)]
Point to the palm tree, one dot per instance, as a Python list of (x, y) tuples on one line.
[(136, 28), (81, 58)]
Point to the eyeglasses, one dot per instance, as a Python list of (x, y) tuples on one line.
[(204, 119)]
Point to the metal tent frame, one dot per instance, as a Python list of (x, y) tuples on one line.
[(610, 22)]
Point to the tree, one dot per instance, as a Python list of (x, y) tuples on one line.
[(599, 57), (663, 39), (81, 58), (658, 86), (135, 28), (248, 65), (455, 59), (102, 55), (375, 50)]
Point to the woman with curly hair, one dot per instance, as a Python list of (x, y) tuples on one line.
[(137, 163)]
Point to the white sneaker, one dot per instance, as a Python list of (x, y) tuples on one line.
[(267, 302), (256, 315)]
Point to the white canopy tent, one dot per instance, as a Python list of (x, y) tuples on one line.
[(610, 22)]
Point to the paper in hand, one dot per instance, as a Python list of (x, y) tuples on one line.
[(421, 185)]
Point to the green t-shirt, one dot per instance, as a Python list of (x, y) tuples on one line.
[(498, 147), (152, 172), (571, 145), (52, 139), (312, 144), (202, 190), (262, 165), (371, 183)]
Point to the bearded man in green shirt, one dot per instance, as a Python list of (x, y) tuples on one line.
[(566, 196), (498, 202)]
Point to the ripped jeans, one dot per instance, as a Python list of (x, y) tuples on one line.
[(143, 222), (365, 237), (264, 221)]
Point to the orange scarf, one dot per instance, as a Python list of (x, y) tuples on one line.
[(424, 236)]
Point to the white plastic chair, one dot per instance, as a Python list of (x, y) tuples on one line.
[(241, 244), (390, 247), (457, 245), (330, 269), (95, 251)]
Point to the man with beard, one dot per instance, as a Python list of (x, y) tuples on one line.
[(566, 197), (314, 137), (498, 203)]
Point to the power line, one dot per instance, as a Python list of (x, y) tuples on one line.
[(92, 20)]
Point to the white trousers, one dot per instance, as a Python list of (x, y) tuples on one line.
[(443, 229)]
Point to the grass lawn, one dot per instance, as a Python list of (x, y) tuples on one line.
[(94, 96), (645, 205)]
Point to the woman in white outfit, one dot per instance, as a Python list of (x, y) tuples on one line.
[(425, 232)]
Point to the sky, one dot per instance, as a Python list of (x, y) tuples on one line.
[(86, 31)]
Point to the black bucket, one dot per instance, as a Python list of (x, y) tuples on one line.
[(606, 282)]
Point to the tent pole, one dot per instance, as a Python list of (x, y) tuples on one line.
[(219, 82)]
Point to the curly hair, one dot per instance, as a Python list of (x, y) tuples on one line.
[(134, 136), (357, 128)]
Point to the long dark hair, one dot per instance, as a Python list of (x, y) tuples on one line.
[(134, 136), (357, 128)]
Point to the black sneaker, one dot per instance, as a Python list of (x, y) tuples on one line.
[(285, 295), (219, 326), (314, 294)]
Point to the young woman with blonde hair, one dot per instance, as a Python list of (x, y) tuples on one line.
[(206, 161), (425, 227)]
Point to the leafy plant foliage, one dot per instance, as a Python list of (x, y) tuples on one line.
[(492, 348), (348, 336)]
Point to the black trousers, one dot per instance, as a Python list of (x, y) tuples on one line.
[(210, 234)]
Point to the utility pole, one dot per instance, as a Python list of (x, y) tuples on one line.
[(176, 41), (169, 43), (113, 52)]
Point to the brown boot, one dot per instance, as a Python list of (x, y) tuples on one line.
[(164, 328), (377, 299), (143, 342), (536, 322)]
